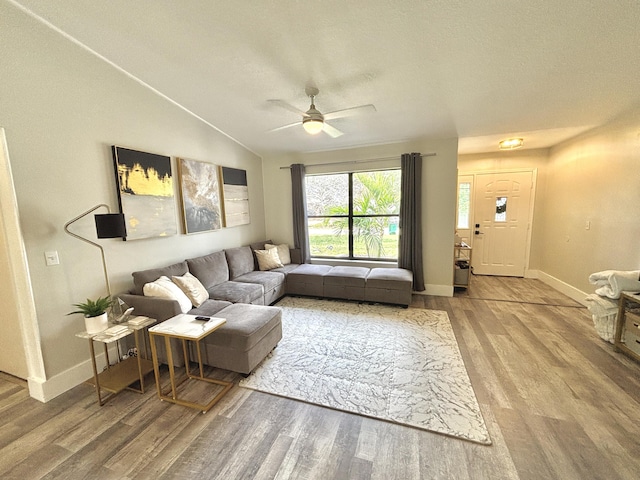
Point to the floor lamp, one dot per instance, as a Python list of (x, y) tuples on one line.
[(108, 225)]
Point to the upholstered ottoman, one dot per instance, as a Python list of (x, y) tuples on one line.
[(250, 333), (345, 282), (389, 285), (307, 279)]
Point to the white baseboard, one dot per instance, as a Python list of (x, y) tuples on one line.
[(437, 290), (563, 287), (45, 390)]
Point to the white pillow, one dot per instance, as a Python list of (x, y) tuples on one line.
[(192, 288), (283, 252), (268, 259), (165, 288)]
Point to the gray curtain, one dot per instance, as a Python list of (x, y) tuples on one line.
[(410, 249), (299, 202)]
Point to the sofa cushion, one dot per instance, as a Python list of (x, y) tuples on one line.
[(390, 278), (258, 246), (210, 307), (286, 269), (237, 292), (240, 261), (346, 276), (268, 259), (192, 288), (269, 280), (210, 269), (163, 287), (246, 326), (146, 276), (283, 252), (308, 273)]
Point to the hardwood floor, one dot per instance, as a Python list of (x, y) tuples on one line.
[(558, 403)]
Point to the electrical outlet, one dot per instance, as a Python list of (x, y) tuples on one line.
[(587, 225), (52, 258)]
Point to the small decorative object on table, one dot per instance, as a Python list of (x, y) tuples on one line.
[(95, 313)]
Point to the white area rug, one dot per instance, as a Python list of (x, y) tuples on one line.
[(395, 364)]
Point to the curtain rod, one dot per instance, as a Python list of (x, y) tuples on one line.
[(346, 162)]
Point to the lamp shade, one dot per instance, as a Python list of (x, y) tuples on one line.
[(110, 225)]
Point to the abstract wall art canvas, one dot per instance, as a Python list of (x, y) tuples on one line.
[(200, 192), (145, 193), (236, 197)]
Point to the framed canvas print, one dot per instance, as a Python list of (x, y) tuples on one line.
[(236, 197), (145, 193), (200, 191)]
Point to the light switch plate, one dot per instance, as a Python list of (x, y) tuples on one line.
[(52, 258)]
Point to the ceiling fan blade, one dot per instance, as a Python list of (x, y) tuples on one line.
[(331, 131), (285, 126), (291, 108), (349, 112)]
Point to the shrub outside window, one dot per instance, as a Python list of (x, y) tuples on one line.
[(354, 215)]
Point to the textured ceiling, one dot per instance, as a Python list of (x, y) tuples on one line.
[(481, 71)]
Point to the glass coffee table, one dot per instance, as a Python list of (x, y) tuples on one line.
[(185, 328)]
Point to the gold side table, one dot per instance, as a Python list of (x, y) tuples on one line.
[(120, 376), (185, 328)]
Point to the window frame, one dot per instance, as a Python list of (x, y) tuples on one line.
[(350, 216)]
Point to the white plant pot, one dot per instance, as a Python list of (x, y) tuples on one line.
[(96, 324)]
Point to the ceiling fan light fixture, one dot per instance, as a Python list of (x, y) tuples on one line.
[(511, 143), (313, 126)]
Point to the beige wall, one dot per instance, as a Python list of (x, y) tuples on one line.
[(595, 177), (439, 198), (519, 159), (62, 109)]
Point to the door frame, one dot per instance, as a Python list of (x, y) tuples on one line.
[(22, 291), (534, 187)]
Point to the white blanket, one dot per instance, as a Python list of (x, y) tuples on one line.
[(611, 283)]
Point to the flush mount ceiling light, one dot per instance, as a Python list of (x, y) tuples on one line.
[(511, 143)]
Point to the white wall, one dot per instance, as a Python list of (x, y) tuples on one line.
[(62, 109), (518, 159), (439, 199), (594, 177)]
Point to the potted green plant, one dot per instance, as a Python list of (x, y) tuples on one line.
[(95, 313)]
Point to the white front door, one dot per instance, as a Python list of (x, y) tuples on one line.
[(502, 211)]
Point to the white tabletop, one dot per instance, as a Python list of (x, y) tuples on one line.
[(187, 326)]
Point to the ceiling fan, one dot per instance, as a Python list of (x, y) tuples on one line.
[(315, 122)]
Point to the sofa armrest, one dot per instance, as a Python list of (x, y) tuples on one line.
[(154, 307), (296, 255)]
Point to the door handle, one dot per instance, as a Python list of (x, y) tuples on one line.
[(478, 232)]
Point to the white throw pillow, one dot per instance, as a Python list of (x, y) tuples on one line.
[(192, 288), (268, 259), (283, 252), (165, 288)]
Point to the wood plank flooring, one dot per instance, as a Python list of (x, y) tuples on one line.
[(558, 403)]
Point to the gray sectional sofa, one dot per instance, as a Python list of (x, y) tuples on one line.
[(241, 293)]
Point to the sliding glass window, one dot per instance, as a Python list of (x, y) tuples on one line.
[(354, 215)]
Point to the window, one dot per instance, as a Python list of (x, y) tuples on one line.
[(464, 197), (354, 215), (501, 209)]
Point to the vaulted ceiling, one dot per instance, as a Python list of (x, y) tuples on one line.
[(481, 71)]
